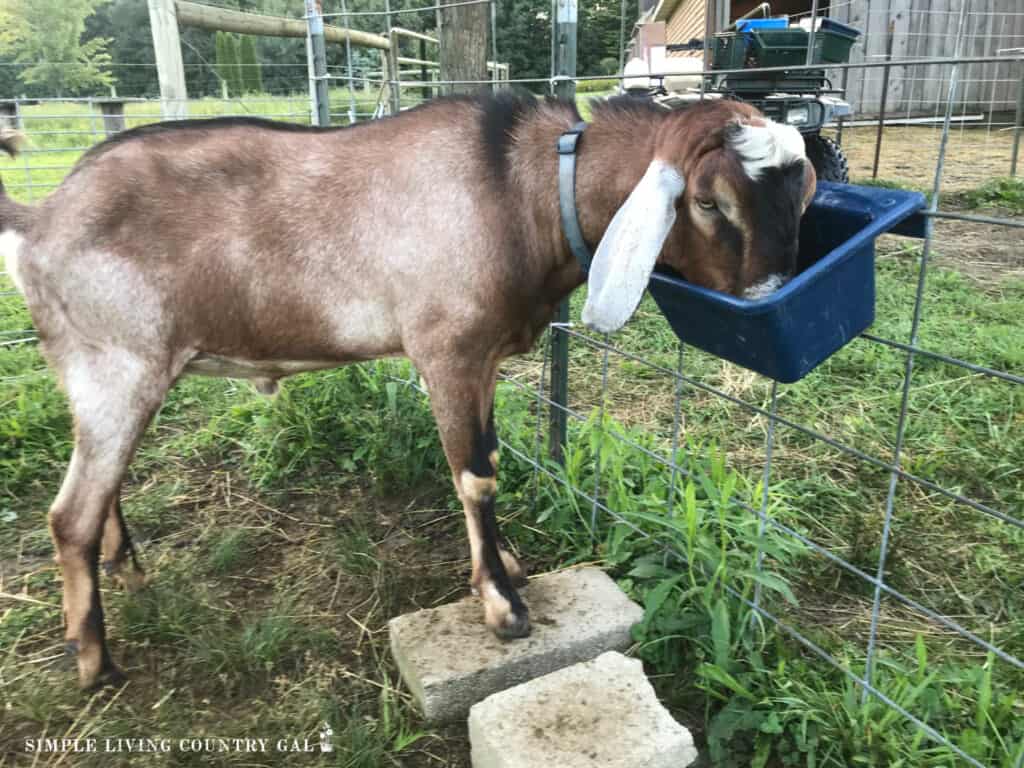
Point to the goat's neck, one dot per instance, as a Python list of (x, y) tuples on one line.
[(614, 154)]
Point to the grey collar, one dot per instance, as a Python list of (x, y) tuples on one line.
[(567, 144)]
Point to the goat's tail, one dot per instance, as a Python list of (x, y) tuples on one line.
[(13, 215), (11, 141), (15, 218)]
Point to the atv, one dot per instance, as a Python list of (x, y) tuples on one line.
[(802, 98)]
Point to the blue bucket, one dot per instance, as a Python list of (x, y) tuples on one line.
[(787, 334)]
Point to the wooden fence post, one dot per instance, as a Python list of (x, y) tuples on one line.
[(10, 115), (113, 116), (163, 21)]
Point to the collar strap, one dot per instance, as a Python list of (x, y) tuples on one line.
[(567, 144)]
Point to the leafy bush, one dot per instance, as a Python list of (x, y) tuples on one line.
[(597, 86), (359, 419), (692, 563)]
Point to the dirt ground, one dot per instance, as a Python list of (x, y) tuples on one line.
[(909, 153), (987, 253)]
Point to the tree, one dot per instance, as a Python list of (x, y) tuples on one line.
[(126, 23), (46, 36), (228, 64), (223, 65), (251, 75), (464, 38), (237, 78), (599, 34)]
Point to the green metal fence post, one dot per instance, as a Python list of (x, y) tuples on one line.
[(564, 51), (317, 47)]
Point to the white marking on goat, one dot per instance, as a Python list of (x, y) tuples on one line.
[(512, 566), (10, 247), (497, 609), (475, 489), (771, 145), (766, 287)]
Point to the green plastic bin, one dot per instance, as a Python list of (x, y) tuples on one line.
[(730, 51), (832, 47), (779, 47)]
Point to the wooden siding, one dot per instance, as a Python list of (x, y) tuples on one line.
[(686, 23), (926, 29)]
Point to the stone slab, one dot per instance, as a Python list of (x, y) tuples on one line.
[(598, 714), (450, 660)]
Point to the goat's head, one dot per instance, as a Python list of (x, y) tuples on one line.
[(720, 203)]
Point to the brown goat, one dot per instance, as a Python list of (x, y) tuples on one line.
[(245, 248)]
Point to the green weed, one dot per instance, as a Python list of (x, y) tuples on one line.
[(1007, 193)]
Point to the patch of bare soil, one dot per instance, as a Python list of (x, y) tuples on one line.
[(987, 253), (348, 560), (909, 154)]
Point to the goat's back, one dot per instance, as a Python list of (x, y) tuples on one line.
[(250, 239)]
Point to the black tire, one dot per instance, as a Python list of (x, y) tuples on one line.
[(827, 158)]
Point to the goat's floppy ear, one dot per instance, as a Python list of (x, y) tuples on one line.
[(629, 249)]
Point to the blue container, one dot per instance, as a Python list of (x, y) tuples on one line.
[(831, 301), (748, 25)]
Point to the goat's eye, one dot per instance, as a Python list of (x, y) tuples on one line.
[(706, 204)]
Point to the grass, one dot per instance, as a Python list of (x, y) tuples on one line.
[(59, 132), (1006, 193), (281, 534)]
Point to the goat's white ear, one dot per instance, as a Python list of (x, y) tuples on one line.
[(629, 249)]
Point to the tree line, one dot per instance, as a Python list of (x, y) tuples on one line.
[(69, 48)]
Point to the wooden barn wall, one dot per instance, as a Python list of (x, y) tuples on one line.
[(685, 24), (927, 28)]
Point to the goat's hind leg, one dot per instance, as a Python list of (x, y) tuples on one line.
[(112, 398), (118, 552)]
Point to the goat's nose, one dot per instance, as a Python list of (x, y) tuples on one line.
[(765, 287)]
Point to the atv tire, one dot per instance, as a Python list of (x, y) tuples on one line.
[(827, 158)]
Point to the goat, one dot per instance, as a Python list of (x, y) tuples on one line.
[(211, 247)]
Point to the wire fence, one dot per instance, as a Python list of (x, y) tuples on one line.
[(850, 465)]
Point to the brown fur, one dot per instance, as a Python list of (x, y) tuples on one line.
[(244, 251)]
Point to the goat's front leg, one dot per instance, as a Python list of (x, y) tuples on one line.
[(462, 408), (516, 573)]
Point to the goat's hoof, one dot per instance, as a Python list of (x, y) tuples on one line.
[(133, 579), (70, 658), (514, 626), (130, 577), (111, 677)]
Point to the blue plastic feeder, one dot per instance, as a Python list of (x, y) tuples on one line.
[(831, 301)]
